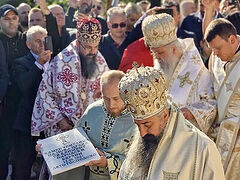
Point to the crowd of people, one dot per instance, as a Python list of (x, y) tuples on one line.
[(154, 84)]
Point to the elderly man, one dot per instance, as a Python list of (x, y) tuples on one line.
[(224, 66), (110, 127), (167, 146), (23, 10), (30, 68), (189, 81)]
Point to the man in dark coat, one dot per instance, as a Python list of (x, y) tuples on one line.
[(14, 46), (3, 75), (27, 75)]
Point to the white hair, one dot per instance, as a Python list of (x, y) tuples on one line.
[(133, 8), (35, 29), (184, 5), (115, 11), (53, 6), (21, 5)]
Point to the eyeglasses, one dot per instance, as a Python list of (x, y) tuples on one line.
[(122, 25), (98, 7)]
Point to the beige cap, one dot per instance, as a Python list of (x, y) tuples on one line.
[(159, 30)]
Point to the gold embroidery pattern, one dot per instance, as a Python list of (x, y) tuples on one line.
[(229, 86), (184, 79), (170, 175), (195, 59), (236, 149)]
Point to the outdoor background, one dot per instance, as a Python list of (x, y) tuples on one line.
[(63, 3)]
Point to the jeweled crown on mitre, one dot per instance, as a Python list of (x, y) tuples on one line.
[(143, 91), (89, 30), (159, 30)]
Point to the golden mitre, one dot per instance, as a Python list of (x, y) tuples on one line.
[(159, 30), (143, 91)]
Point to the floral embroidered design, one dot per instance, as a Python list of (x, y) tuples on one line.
[(42, 86), (67, 77), (95, 85), (50, 114), (68, 53), (68, 102)]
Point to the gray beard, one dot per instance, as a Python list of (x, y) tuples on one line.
[(167, 68), (88, 66)]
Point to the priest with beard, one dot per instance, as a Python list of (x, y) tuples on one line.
[(188, 80), (167, 146), (70, 84)]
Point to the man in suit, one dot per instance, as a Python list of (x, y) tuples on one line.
[(27, 75)]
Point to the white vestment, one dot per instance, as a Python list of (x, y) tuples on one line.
[(225, 130), (183, 153), (191, 87)]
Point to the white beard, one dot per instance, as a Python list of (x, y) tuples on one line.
[(166, 67)]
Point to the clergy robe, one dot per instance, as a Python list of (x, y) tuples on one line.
[(110, 135), (191, 87), (184, 152), (226, 128), (64, 92)]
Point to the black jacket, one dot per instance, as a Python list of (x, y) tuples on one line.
[(3, 72), (234, 18), (59, 42), (27, 77), (193, 23), (14, 47), (110, 52)]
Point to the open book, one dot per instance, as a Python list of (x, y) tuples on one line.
[(67, 150)]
